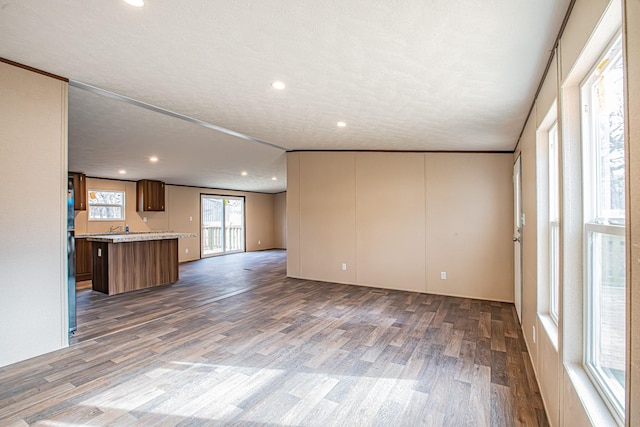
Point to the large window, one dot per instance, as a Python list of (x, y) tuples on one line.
[(604, 219), (554, 223), (106, 205)]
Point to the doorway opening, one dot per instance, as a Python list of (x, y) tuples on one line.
[(222, 225)]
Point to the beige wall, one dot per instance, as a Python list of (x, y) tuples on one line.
[(280, 220), (470, 224), (259, 217), (183, 211), (33, 184), (399, 219), (182, 214), (390, 220), (293, 214), (327, 216)]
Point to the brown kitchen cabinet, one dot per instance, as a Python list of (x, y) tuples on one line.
[(83, 260), (150, 196), (79, 191)]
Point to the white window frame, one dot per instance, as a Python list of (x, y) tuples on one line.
[(608, 224), (554, 221), (548, 291), (224, 199), (122, 206)]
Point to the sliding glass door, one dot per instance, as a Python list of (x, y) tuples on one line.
[(222, 224)]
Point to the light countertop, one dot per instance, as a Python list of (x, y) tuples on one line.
[(134, 236)]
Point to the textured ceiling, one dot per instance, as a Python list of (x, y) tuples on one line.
[(403, 75), (189, 154)]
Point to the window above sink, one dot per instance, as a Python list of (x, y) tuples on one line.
[(106, 205)]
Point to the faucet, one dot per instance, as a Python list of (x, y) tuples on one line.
[(115, 228)]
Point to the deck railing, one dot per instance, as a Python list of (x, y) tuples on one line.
[(212, 241)]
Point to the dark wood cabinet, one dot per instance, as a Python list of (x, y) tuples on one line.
[(79, 191), (100, 259), (83, 260), (150, 196)]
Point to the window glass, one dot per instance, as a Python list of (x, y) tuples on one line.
[(604, 216), (606, 105), (106, 205)]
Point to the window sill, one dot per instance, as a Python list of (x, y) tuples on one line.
[(550, 327), (595, 408)]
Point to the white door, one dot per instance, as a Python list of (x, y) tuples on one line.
[(517, 241)]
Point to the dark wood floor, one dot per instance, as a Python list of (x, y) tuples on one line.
[(235, 342), (201, 282)]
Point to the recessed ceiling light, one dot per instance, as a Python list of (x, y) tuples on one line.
[(153, 159), (341, 124), (122, 171), (278, 85), (136, 3), (274, 178), (244, 173)]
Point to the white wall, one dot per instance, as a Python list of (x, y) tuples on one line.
[(33, 184)]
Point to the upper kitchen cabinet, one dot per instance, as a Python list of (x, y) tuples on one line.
[(79, 191), (150, 196)]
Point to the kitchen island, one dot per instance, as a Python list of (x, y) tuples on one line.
[(128, 262)]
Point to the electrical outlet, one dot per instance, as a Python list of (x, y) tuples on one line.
[(533, 334), (344, 266), (186, 251), (144, 219), (190, 219), (99, 251), (259, 242), (443, 275)]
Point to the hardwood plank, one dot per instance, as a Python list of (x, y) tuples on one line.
[(466, 359), (484, 326), (501, 406), (453, 346), (456, 412), (499, 374), (497, 336), (480, 394)]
